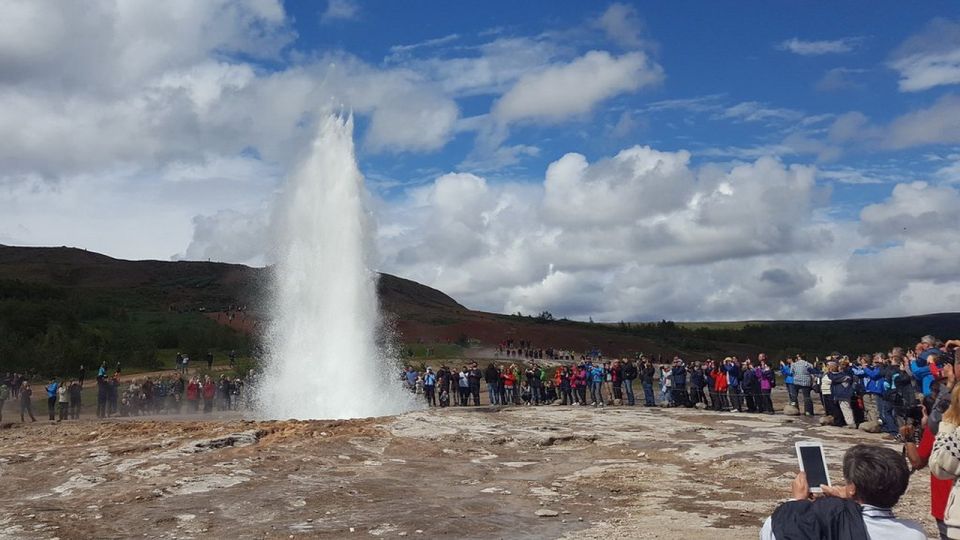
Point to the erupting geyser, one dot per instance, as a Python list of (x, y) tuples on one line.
[(322, 358)]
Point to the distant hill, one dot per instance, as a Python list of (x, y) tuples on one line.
[(58, 304)]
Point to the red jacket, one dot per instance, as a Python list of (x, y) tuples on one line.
[(209, 390), (192, 391), (720, 380)]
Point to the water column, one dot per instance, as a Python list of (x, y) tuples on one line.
[(322, 360)]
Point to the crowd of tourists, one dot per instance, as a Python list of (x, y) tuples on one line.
[(177, 394), (876, 392)]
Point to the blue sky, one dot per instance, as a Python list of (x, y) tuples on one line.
[(614, 160)]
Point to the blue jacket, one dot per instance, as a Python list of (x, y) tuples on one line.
[(874, 380), (787, 371), (596, 374), (842, 385), (921, 372), (52, 390), (679, 376), (733, 372)]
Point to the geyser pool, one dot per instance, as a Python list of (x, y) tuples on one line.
[(322, 360)]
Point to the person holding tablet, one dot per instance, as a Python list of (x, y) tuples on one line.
[(876, 478)]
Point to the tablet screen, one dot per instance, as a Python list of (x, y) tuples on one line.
[(812, 457)]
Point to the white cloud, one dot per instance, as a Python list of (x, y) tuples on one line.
[(753, 111), (566, 90), (837, 79), (340, 10), (930, 58), (622, 24), (937, 124), (816, 48)]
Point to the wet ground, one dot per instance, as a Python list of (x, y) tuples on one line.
[(457, 473)]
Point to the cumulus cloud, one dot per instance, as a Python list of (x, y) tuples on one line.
[(574, 88), (622, 24), (816, 48), (937, 124), (837, 79), (340, 10), (930, 58), (572, 244)]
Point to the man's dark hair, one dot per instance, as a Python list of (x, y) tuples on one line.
[(880, 474)]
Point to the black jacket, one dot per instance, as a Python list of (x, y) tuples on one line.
[(629, 371), (646, 375), (829, 518)]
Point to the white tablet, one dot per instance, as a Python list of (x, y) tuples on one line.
[(814, 464)]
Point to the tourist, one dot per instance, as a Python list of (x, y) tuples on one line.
[(52, 398), (474, 376), (944, 461), (842, 388), (786, 370), (919, 457), (721, 384), (208, 390), (678, 378), (876, 478), (597, 376), (75, 393), (629, 372), (582, 380), (731, 367), (802, 384), (224, 391), (615, 376), (193, 395), (63, 403), (430, 387), (492, 377), (666, 396), (767, 381), (509, 379), (4, 395), (463, 387), (750, 385), (26, 403), (647, 374)]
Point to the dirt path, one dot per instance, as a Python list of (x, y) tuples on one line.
[(458, 473)]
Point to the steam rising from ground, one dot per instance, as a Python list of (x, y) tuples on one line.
[(322, 358)]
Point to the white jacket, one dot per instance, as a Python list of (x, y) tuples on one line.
[(945, 464)]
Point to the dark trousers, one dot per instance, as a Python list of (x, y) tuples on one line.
[(648, 398), (26, 408), (464, 395), (804, 392), (64, 409), (430, 394), (475, 391), (52, 407), (617, 391), (75, 409), (566, 395), (582, 394), (734, 392), (766, 404)]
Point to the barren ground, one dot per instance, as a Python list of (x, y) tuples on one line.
[(458, 473)]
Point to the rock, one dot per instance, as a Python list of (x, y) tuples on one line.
[(870, 427), (826, 420), (791, 410), (546, 512), (701, 405), (244, 438)]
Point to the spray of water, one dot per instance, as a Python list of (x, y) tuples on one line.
[(322, 359)]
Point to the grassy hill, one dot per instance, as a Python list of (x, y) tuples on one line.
[(60, 307)]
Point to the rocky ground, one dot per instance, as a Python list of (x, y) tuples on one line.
[(534, 472)]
